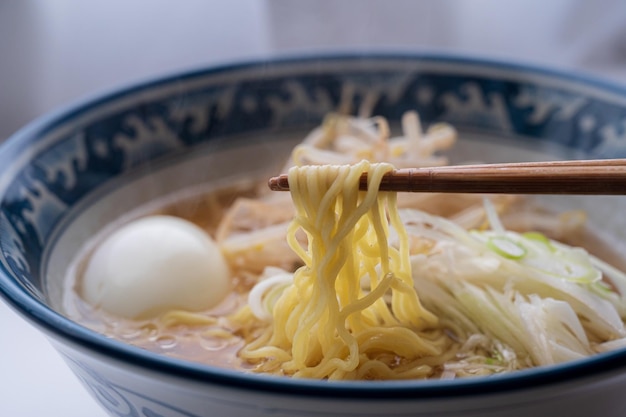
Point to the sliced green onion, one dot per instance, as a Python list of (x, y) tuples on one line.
[(504, 246), (539, 238), (601, 288)]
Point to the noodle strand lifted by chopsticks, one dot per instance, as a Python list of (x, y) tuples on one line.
[(334, 321)]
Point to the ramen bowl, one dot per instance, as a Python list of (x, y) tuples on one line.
[(70, 174)]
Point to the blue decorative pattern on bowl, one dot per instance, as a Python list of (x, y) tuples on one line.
[(61, 164)]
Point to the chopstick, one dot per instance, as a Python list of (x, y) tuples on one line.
[(588, 177)]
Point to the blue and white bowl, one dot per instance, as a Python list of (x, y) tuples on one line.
[(66, 176)]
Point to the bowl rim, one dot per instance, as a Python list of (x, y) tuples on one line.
[(61, 328)]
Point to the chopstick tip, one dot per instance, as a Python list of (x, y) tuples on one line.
[(280, 183)]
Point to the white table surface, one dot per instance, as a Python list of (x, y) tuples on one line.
[(34, 380)]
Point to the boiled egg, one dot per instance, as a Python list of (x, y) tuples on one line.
[(155, 264)]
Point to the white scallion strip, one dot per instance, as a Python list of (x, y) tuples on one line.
[(263, 295), (539, 297), (492, 217), (506, 247), (611, 345)]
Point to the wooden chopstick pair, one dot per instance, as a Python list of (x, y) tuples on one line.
[(598, 176)]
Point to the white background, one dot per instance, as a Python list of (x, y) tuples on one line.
[(53, 52)]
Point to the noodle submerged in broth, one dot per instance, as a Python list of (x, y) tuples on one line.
[(336, 283)]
